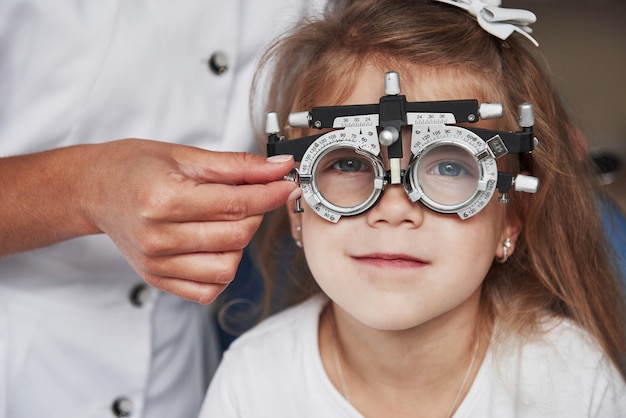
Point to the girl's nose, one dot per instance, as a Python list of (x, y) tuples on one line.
[(394, 208)]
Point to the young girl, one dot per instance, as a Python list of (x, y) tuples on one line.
[(424, 298)]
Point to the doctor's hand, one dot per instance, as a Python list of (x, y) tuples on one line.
[(180, 215)]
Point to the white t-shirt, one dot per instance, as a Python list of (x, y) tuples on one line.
[(275, 370), (79, 335)]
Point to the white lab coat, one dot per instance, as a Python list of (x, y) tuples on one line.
[(79, 334)]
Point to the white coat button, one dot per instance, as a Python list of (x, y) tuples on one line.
[(122, 407), (218, 63), (139, 295)]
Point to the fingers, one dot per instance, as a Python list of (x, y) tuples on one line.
[(232, 167), (251, 199), (199, 277), (193, 237), (189, 201)]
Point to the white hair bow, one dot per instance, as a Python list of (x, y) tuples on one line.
[(498, 21)]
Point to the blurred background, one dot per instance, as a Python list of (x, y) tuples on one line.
[(584, 42)]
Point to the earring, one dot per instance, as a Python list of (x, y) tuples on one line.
[(505, 248), (297, 241)]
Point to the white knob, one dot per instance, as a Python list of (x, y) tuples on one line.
[(392, 83), (526, 115), (271, 123), (528, 184), (490, 110), (299, 119)]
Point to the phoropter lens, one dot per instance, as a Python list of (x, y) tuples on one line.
[(345, 178), (448, 174)]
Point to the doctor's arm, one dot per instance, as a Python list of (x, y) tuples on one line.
[(180, 215)]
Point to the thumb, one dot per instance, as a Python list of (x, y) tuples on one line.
[(238, 167)]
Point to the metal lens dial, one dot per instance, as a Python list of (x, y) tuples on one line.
[(452, 170)]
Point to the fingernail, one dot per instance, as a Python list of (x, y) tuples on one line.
[(295, 194), (280, 158)]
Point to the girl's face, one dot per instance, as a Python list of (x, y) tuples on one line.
[(401, 265)]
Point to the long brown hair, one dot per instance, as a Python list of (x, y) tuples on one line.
[(561, 265)]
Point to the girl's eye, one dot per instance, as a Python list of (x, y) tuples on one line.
[(348, 165), (449, 169)]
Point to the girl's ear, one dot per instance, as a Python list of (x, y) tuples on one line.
[(294, 221), (508, 238)]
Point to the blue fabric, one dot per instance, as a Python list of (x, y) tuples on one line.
[(615, 225), (240, 306)]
